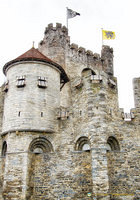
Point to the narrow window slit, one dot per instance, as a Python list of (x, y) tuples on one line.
[(19, 113), (41, 114)]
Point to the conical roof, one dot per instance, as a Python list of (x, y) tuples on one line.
[(35, 55)]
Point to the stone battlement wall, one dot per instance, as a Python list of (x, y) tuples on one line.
[(56, 45)]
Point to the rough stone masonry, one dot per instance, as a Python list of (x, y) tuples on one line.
[(63, 135)]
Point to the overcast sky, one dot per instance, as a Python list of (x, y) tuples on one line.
[(24, 21)]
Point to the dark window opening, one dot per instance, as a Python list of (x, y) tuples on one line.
[(42, 82), (4, 149), (83, 144), (20, 81), (112, 144), (19, 113)]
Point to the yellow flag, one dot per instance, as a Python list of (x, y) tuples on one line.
[(108, 35)]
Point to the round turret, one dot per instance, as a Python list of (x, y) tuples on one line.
[(33, 93)]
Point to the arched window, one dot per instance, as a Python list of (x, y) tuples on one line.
[(86, 147), (112, 144), (4, 148), (88, 72), (82, 144), (40, 145)]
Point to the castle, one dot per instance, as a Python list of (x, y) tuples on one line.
[(63, 135)]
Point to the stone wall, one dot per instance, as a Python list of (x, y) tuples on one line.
[(53, 177), (123, 164), (123, 174)]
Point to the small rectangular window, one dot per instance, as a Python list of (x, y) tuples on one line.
[(20, 81), (42, 82)]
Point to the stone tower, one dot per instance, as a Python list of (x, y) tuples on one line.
[(54, 44), (29, 107), (63, 135)]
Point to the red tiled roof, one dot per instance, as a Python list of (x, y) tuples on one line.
[(34, 55)]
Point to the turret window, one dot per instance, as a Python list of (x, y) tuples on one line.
[(4, 149), (20, 81), (42, 82)]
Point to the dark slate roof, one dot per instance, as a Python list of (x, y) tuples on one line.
[(34, 55)]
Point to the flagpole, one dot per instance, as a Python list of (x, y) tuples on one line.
[(70, 14), (67, 17), (102, 36), (101, 50)]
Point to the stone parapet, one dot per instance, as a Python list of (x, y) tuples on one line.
[(56, 45)]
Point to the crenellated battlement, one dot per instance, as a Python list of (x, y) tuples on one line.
[(57, 27), (81, 50), (81, 56), (55, 42), (56, 45), (58, 32)]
